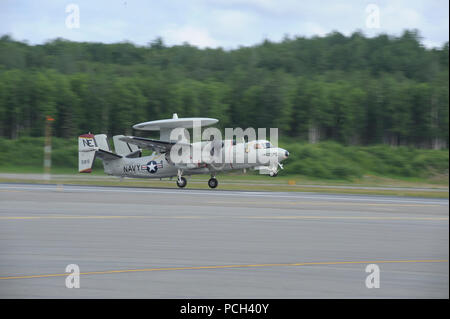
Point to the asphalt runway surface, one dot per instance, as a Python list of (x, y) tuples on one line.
[(186, 243)]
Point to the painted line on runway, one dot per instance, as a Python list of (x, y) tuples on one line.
[(348, 217), (96, 217), (221, 193), (320, 203), (229, 266), (220, 217)]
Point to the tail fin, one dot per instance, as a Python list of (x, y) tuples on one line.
[(124, 148), (86, 152), (101, 141)]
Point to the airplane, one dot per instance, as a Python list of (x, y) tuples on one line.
[(127, 160)]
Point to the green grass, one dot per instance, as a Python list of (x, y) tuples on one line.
[(330, 160)]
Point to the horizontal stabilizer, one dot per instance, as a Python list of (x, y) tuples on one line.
[(124, 148), (134, 154), (105, 155), (146, 143)]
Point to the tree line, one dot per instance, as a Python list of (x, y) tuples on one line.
[(350, 89)]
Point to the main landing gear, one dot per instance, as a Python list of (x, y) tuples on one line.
[(181, 181), (212, 183)]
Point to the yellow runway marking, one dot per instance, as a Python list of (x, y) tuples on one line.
[(231, 266), (221, 217)]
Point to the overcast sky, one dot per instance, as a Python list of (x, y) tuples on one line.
[(214, 23)]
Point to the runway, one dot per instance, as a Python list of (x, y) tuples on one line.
[(184, 243)]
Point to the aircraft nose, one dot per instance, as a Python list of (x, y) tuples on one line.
[(283, 154)]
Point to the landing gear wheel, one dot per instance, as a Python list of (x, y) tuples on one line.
[(212, 183), (181, 182), (273, 174)]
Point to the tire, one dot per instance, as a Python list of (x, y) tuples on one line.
[(181, 183), (212, 183)]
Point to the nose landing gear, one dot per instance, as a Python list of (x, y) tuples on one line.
[(274, 170)]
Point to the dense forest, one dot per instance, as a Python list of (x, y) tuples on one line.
[(352, 89)]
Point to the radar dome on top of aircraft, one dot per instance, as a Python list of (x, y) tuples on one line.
[(174, 122)]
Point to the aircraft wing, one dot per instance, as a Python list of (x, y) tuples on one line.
[(155, 145)]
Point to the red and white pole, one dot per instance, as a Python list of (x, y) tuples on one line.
[(48, 147)]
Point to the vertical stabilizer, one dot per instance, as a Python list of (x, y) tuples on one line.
[(102, 142), (86, 152), (123, 148)]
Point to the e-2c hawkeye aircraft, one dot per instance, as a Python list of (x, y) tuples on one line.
[(164, 162)]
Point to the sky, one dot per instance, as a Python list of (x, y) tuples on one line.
[(218, 23)]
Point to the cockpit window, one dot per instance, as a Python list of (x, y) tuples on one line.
[(263, 145)]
